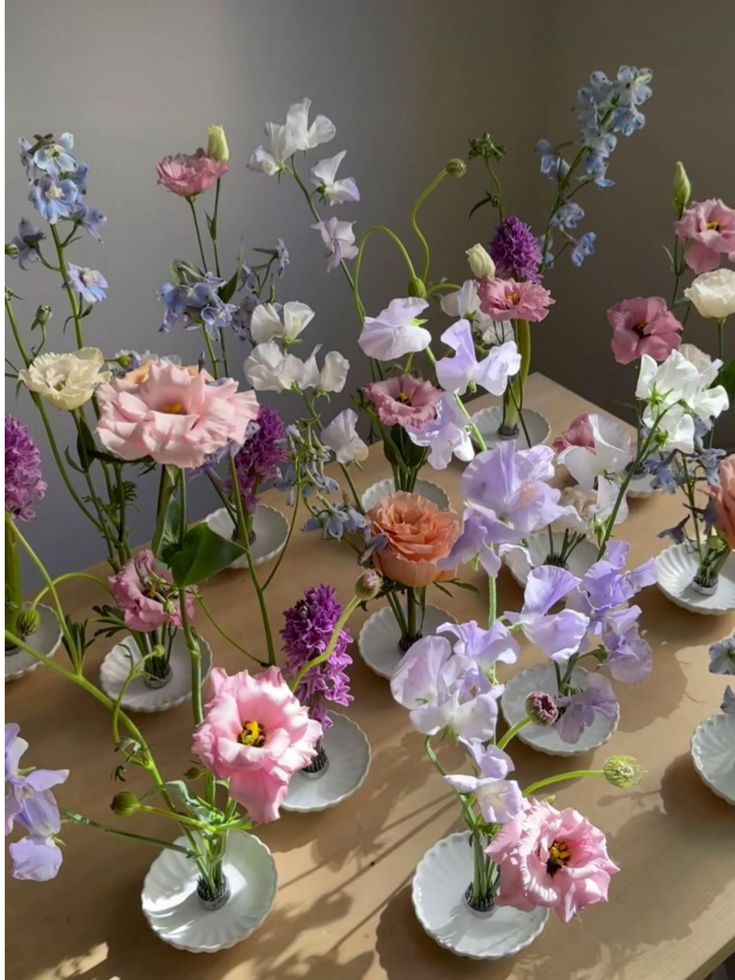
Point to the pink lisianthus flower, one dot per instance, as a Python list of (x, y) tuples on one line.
[(553, 859), (189, 174), (255, 734), (146, 595), (710, 225), (177, 416), (579, 433), (404, 401), (643, 326), (506, 299)]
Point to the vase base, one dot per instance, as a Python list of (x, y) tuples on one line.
[(490, 423), (384, 488), (713, 754), (268, 538), (676, 568), (379, 642), (348, 751), (46, 639), (142, 696)]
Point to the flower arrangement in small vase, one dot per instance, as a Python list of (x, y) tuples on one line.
[(713, 742)]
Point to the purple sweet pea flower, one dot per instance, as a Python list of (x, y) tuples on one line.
[(446, 435), (27, 241), (456, 374), (339, 240), (581, 709), (486, 647), (558, 635), (54, 198), (475, 543), (722, 657), (728, 701), (35, 858), (499, 799), (606, 585), (629, 656), (28, 798), (89, 283)]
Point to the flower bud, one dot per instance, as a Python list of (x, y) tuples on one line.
[(456, 167), (217, 148), (194, 772), (28, 622), (541, 708), (623, 771), (12, 250), (125, 804), (368, 585), (43, 315), (682, 189), (481, 265), (417, 287)]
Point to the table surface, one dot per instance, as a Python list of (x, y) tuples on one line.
[(343, 907)]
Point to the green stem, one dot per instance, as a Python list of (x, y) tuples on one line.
[(75, 311), (226, 636), (412, 634), (66, 577), (552, 780), (289, 534), (375, 230), (192, 205), (420, 201), (513, 731), (214, 223), (13, 578), (492, 602), (77, 818)]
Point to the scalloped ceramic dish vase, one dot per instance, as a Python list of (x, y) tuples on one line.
[(424, 488), (270, 530), (46, 639), (713, 754), (142, 695), (337, 772), (438, 891), (379, 640), (488, 421), (178, 916), (676, 568), (544, 738), (579, 563)]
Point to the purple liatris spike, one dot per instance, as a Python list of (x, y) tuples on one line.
[(309, 625)]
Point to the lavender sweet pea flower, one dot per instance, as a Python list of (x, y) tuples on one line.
[(558, 635), (446, 435), (475, 543), (629, 656), (728, 701), (486, 647), (499, 799), (339, 240), (28, 798), (35, 858), (606, 585), (722, 657), (27, 241), (396, 331), (54, 198), (89, 283), (581, 709), (456, 374)]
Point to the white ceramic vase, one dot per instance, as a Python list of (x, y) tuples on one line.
[(713, 754), (178, 917), (424, 488), (46, 639), (347, 754), (676, 568), (642, 486), (546, 738), (438, 890), (140, 696), (580, 561), (379, 638), (488, 421), (270, 528)]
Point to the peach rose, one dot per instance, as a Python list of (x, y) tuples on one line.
[(418, 533), (724, 501)]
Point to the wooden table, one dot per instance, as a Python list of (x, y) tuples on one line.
[(343, 907)]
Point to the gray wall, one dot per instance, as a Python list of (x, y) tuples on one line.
[(406, 83)]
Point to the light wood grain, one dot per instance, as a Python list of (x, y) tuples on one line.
[(343, 907)]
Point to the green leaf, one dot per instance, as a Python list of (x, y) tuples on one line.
[(487, 199), (726, 378), (202, 555), (227, 291), (212, 226), (166, 539)]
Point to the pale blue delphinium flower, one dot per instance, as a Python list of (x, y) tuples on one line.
[(722, 657), (55, 157), (54, 198), (89, 283), (27, 241)]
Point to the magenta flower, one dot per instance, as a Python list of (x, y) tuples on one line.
[(643, 326), (507, 299), (146, 596), (515, 251), (23, 483), (256, 735), (179, 416), (553, 859), (260, 455), (404, 401), (710, 225), (189, 174), (578, 434), (308, 630)]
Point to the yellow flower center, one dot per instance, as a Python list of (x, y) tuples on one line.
[(252, 734), (53, 192), (640, 328), (713, 225), (514, 298), (403, 398), (175, 408), (559, 856)]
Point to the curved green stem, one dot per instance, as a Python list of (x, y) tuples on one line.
[(69, 816), (289, 534), (226, 636), (375, 230), (68, 576), (420, 201), (63, 269), (552, 780), (513, 731)]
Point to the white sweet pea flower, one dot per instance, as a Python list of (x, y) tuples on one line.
[(331, 378), (396, 331), (269, 369), (66, 381), (266, 323), (465, 303), (332, 190), (713, 294), (339, 240), (612, 451), (307, 137), (283, 140), (705, 365), (341, 437)]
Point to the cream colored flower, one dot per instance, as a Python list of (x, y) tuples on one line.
[(481, 264), (66, 381), (713, 294)]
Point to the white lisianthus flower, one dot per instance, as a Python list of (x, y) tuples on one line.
[(266, 323), (324, 176), (283, 140), (713, 294), (341, 437), (481, 264), (66, 381), (396, 331)]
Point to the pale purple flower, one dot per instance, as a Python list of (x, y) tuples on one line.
[(485, 646), (722, 657), (35, 858), (23, 482), (498, 798), (54, 198), (396, 331), (462, 371), (89, 283), (728, 701), (581, 709), (339, 240), (27, 241), (515, 251), (560, 634), (606, 585), (446, 435), (91, 219), (333, 191), (55, 157), (475, 543)]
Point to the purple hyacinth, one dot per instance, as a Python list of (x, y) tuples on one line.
[(23, 480), (261, 455), (515, 251), (308, 630)]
